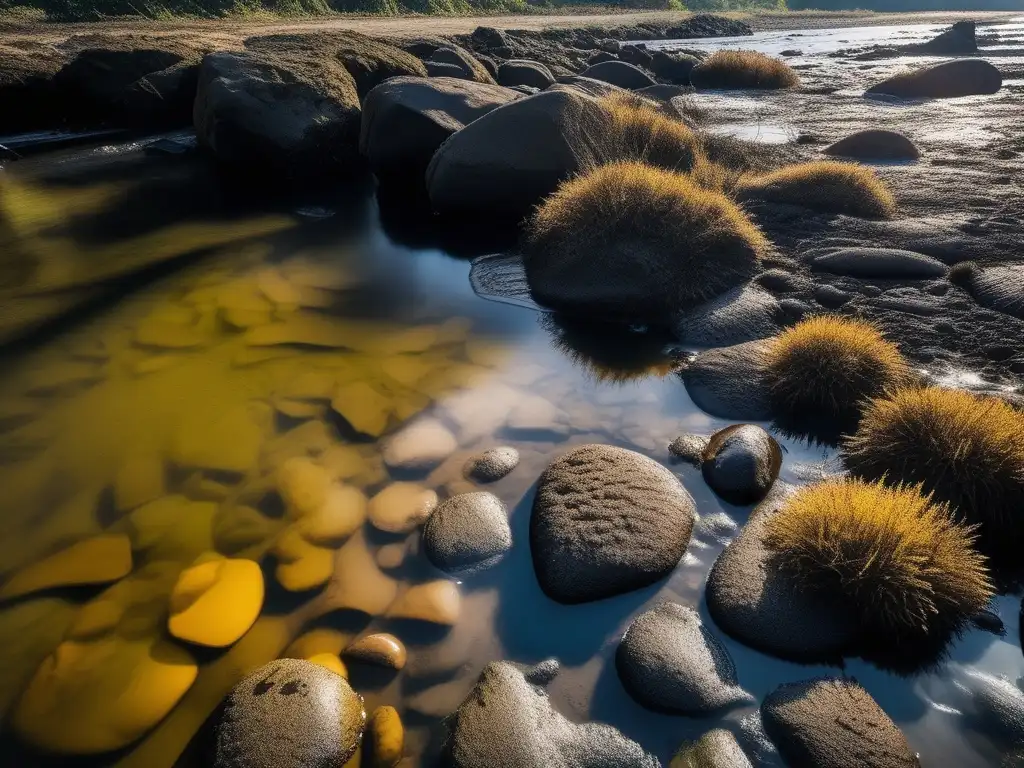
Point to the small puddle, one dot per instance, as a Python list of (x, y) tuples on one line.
[(764, 133)]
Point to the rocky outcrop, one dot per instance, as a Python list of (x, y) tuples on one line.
[(406, 119), (874, 145), (607, 521), (960, 77), (958, 39), (286, 115), (470, 68)]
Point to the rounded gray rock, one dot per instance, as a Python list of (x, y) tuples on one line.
[(996, 708), (491, 465), (507, 721), (606, 521), (744, 313), (467, 530), (621, 74), (879, 263), (523, 72), (754, 602), (948, 79), (833, 723), (741, 463), (669, 662), (715, 749), (874, 145), (998, 287), (289, 713), (729, 382)]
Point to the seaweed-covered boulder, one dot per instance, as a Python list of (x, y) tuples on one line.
[(621, 74), (289, 713), (949, 79), (606, 521), (833, 723), (406, 119), (508, 720), (874, 144), (522, 72), (370, 61), (507, 161), (669, 661), (283, 115)]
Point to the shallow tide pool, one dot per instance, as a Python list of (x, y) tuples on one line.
[(162, 406)]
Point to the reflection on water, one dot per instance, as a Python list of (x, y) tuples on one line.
[(157, 416)]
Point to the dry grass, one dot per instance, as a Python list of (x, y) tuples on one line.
[(650, 227), (828, 366), (743, 69), (901, 561), (637, 131), (828, 186), (964, 449)]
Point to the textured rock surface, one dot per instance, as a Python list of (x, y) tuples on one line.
[(289, 713), (715, 749), (606, 521), (833, 723), (467, 530), (729, 382), (741, 462), (508, 721), (999, 287), (492, 464), (669, 661), (882, 263), (521, 72), (621, 74), (874, 145), (741, 314), (949, 79)]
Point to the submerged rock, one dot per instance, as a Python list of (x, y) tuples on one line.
[(467, 530), (621, 74), (406, 119), (669, 661), (216, 602), (284, 114), (98, 560), (401, 507), (715, 749), (960, 77), (386, 741), (435, 602), (419, 447), (874, 145), (741, 463), (290, 713), (729, 382), (491, 465), (508, 721), (833, 723), (382, 650), (607, 521)]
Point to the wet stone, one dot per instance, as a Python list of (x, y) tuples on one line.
[(729, 382), (741, 462), (357, 584), (301, 565), (386, 738), (419, 447), (491, 465), (401, 507), (215, 603), (381, 650), (466, 531), (669, 661), (536, 418), (435, 602), (290, 713), (363, 407)]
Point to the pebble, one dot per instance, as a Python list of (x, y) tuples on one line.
[(401, 507), (382, 650), (435, 602), (491, 465), (419, 447), (215, 603)]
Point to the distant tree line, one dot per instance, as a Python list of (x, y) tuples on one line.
[(908, 5)]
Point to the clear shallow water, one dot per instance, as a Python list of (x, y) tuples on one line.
[(207, 370)]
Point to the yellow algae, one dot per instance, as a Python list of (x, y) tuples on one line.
[(358, 584), (62, 377), (302, 329), (308, 385), (380, 649), (362, 406), (229, 442), (340, 516), (436, 602), (199, 487), (401, 507), (331, 662), (301, 566), (327, 275), (304, 486), (387, 738), (216, 602), (172, 528), (28, 208), (139, 480), (98, 560), (276, 288), (99, 696), (417, 339), (298, 409), (29, 632)]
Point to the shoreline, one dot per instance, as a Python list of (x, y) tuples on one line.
[(420, 26)]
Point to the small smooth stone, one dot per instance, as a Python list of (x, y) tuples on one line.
[(289, 713), (341, 515), (139, 480), (94, 697), (303, 485), (538, 418), (467, 530), (382, 650), (331, 662), (362, 406), (491, 465), (98, 560), (391, 556), (419, 447), (357, 583), (215, 603), (401, 507), (741, 463), (301, 566), (387, 738), (436, 602), (880, 263)]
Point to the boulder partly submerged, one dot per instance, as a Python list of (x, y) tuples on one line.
[(949, 79), (406, 119), (606, 521), (874, 144), (729, 382), (278, 115), (508, 720)]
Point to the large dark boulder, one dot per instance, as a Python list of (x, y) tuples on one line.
[(673, 67), (489, 37), (459, 57), (508, 720), (958, 39), (607, 521), (289, 713), (507, 161), (370, 61), (621, 74), (635, 55), (833, 723), (874, 144), (960, 77), (284, 115), (521, 72), (406, 119)]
